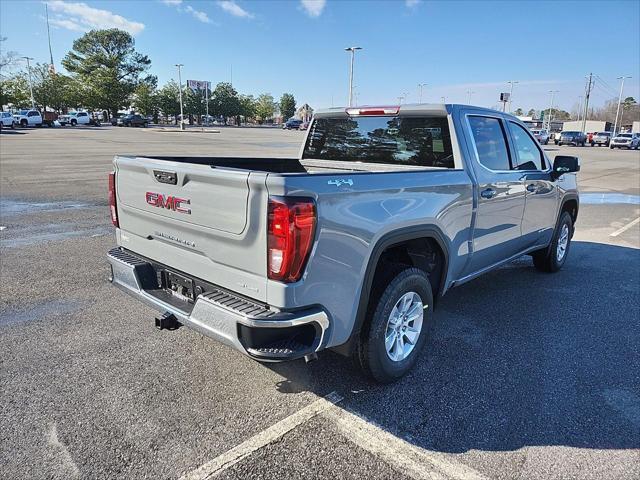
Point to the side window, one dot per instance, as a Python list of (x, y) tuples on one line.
[(32, 114), (491, 143), (529, 155)]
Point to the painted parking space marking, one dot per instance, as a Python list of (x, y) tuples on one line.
[(411, 460), (625, 228), (271, 434)]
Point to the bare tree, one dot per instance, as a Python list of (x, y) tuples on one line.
[(7, 58)]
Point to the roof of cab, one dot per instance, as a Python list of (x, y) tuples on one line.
[(407, 109)]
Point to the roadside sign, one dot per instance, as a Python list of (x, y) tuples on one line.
[(198, 85)]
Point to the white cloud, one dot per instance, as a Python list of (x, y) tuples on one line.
[(82, 17), (68, 24), (313, 8), (172, 2), (234, 9), (202, 16), (411, 3)]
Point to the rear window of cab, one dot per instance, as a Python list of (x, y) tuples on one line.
[(396, 140)]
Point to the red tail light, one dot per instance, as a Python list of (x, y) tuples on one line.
[(291, 224), (112, 199)]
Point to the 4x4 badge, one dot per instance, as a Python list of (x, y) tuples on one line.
[(341, 181)]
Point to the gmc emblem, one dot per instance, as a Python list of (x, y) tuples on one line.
[(168, 202)]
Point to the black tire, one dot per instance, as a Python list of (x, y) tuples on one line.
[(24, 123), (371, 354), (74, 123), (546, 260)]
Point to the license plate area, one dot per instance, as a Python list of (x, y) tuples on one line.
[(178, 286)]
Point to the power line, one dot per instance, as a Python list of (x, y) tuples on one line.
[(602, 85), (609, 87)]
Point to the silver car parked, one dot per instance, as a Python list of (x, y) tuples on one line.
[(626, 140)]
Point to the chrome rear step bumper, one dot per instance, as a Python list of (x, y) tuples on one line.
[(254, 329)]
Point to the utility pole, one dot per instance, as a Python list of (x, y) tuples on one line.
[(420, 85), (180, 65), (469, 93), (512, 83), (586, 101), (28, 59), (552, 92), (353, 54), (615, 125)]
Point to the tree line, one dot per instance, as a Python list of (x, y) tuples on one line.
[(629, 112), (107, 74)]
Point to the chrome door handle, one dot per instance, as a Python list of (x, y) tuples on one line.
[(488, 193), (532, 187)]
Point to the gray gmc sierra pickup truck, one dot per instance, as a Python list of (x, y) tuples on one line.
[(348, 246)]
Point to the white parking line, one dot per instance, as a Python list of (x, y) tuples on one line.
[(409, 459), (625, 228), (238, 453)]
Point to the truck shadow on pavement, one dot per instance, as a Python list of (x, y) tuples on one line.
[(516, 358)]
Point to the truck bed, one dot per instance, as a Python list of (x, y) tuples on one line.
[(288, 165)]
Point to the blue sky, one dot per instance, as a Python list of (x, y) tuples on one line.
[(298, 45)]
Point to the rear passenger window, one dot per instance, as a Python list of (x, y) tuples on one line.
[(491, 143), (529, 155)]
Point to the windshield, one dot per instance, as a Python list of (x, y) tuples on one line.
[(423, 141), (570, 133), (24, 112), (536, 132), (603, 134), (625, 135)]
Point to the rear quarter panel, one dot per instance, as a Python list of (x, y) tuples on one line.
[(353, 218)]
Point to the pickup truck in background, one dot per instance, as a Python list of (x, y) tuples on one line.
[(28, 118), (75, 118), (347, 246)]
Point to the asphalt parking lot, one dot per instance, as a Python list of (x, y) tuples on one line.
[(528, 375)]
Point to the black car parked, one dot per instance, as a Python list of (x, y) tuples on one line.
[(572, 138), (133, 120), (292, 124)]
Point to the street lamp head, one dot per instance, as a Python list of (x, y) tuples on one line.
[(352, 49)]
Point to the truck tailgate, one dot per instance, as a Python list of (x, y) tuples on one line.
[(208, 222)]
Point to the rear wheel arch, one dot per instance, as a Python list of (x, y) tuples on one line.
[(404, 247)]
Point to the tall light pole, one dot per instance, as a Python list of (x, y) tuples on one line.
[(28, 59), (469, 93), (615, 125), (353, 54), (420, 86), (443, 100), (512, 83), (180, 65), (553, 93), (400, 98)]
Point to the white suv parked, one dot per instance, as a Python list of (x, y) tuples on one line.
[(75, 118), (6, 120), (26, 118)]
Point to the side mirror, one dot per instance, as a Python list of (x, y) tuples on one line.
[(565, 164)]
